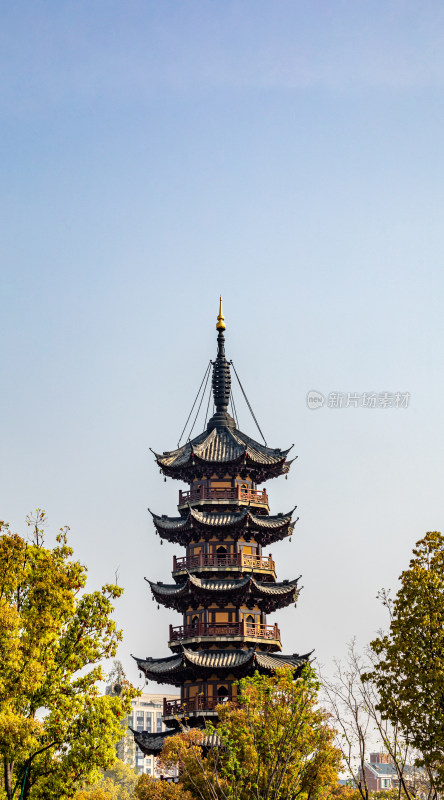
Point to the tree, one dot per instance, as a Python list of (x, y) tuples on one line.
[(409, 673), (116, 783), (354, 707), (276, 743), (126, 746), (93, 793), (55, 727), (148, 788)]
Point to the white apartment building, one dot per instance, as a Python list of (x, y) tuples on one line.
[(146, 715)]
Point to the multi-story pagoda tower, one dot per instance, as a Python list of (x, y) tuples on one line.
[(224, 586)]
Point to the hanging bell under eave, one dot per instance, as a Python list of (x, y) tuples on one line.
[(289, 539)]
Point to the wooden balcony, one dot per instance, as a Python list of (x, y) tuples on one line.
[(221, 630), (236, 493), (240, 560), (200, 702)]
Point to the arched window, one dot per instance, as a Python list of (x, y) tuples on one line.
[(195, 621), (250, 620)]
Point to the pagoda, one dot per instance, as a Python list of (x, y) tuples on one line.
[(224, 586)]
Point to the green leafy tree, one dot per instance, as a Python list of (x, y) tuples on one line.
[(409, 670), (148, 788), (275, 744), (55, 727), (93, 793), (116, 783), (126, 747)]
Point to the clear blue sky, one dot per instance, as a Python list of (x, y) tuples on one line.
[(286, 154)]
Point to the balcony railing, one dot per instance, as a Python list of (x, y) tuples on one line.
[(242, 560), (198, 703), (235, 493), (222, 629)]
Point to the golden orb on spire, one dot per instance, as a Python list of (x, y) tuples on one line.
[(220, 324)]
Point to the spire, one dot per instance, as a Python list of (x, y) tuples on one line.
[(220, 324), (221, 380)]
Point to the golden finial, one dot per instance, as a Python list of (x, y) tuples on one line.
[(220, 324)]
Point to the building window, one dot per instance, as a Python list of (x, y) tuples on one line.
[(139, 760), (148, 722), (159, 722), (140, 717)]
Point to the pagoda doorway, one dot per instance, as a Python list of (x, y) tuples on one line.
[(221, 553), (250, 624), (223, 694)]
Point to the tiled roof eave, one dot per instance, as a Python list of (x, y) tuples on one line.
[(257, 461), (268, 662), (169, 590), (221, 446), (151, 744), (232, 462), (224, 585), (271, 522), (154, 666), (226, 519), (253, 445), (171, 523), (233, 519), (191, 664), (268, 596), (217, 659)]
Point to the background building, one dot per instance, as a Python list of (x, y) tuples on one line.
[(381, 774), (146, 716)]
